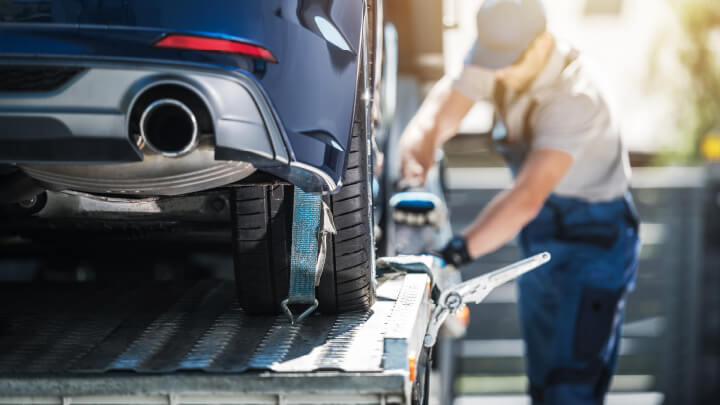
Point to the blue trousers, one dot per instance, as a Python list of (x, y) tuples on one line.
[(571, 309)]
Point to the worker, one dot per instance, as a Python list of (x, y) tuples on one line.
[(569, 197)]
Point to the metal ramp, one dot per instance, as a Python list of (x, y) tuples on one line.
[(170, 327), (188, 337)]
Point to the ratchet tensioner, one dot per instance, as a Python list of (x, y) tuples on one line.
[(453, 297)]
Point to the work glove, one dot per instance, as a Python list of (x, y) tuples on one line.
[(456, 252)]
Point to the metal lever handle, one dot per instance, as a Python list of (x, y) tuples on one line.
[(475, 290)]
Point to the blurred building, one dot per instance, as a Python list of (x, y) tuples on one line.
[(631, 44)]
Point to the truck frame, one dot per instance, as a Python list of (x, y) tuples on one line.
[(201, 349)]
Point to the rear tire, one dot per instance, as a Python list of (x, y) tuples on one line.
[(347, 283), (262, 218)]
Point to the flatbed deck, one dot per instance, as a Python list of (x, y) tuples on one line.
[(189, 342)]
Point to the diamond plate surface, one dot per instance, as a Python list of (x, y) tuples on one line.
[(161, 327)]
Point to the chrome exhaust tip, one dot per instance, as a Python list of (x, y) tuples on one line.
[(169, 127)]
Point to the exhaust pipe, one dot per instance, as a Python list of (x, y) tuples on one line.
[(169, 128)]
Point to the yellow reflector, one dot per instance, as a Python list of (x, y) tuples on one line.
[(711, 147), (412, 367)]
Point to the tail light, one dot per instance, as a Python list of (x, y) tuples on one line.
[(198, 43)]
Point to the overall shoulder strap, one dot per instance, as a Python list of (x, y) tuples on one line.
[(499, 95), (528, 133)]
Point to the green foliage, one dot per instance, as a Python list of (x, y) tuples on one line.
[(700, 19)]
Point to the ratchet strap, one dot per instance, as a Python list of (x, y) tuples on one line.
[(312, 221)]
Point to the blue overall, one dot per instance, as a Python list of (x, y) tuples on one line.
[(571, 309)]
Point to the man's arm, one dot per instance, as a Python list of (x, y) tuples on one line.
[(435, 122), (511, 210)]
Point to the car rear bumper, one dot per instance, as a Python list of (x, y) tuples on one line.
[(86, 119)]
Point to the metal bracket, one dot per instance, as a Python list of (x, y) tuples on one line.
[(388, 267), (293, 319), (476, 290)]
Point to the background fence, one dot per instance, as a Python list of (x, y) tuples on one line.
[(664, 313)]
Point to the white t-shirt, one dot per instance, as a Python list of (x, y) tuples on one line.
[(571, 115)]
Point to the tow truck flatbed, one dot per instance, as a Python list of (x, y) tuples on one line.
[(190, 343)]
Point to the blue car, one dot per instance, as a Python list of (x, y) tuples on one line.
[(170, 117)]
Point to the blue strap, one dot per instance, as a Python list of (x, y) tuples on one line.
[(311, 222)]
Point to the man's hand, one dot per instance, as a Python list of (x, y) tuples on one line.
[(435, 122), (456, 252), (417, 154)]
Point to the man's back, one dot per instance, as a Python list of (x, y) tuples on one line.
[(563, 110)]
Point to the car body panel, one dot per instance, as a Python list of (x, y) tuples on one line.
[(309, 93)]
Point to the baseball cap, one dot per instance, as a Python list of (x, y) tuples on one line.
[(505, 28)]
